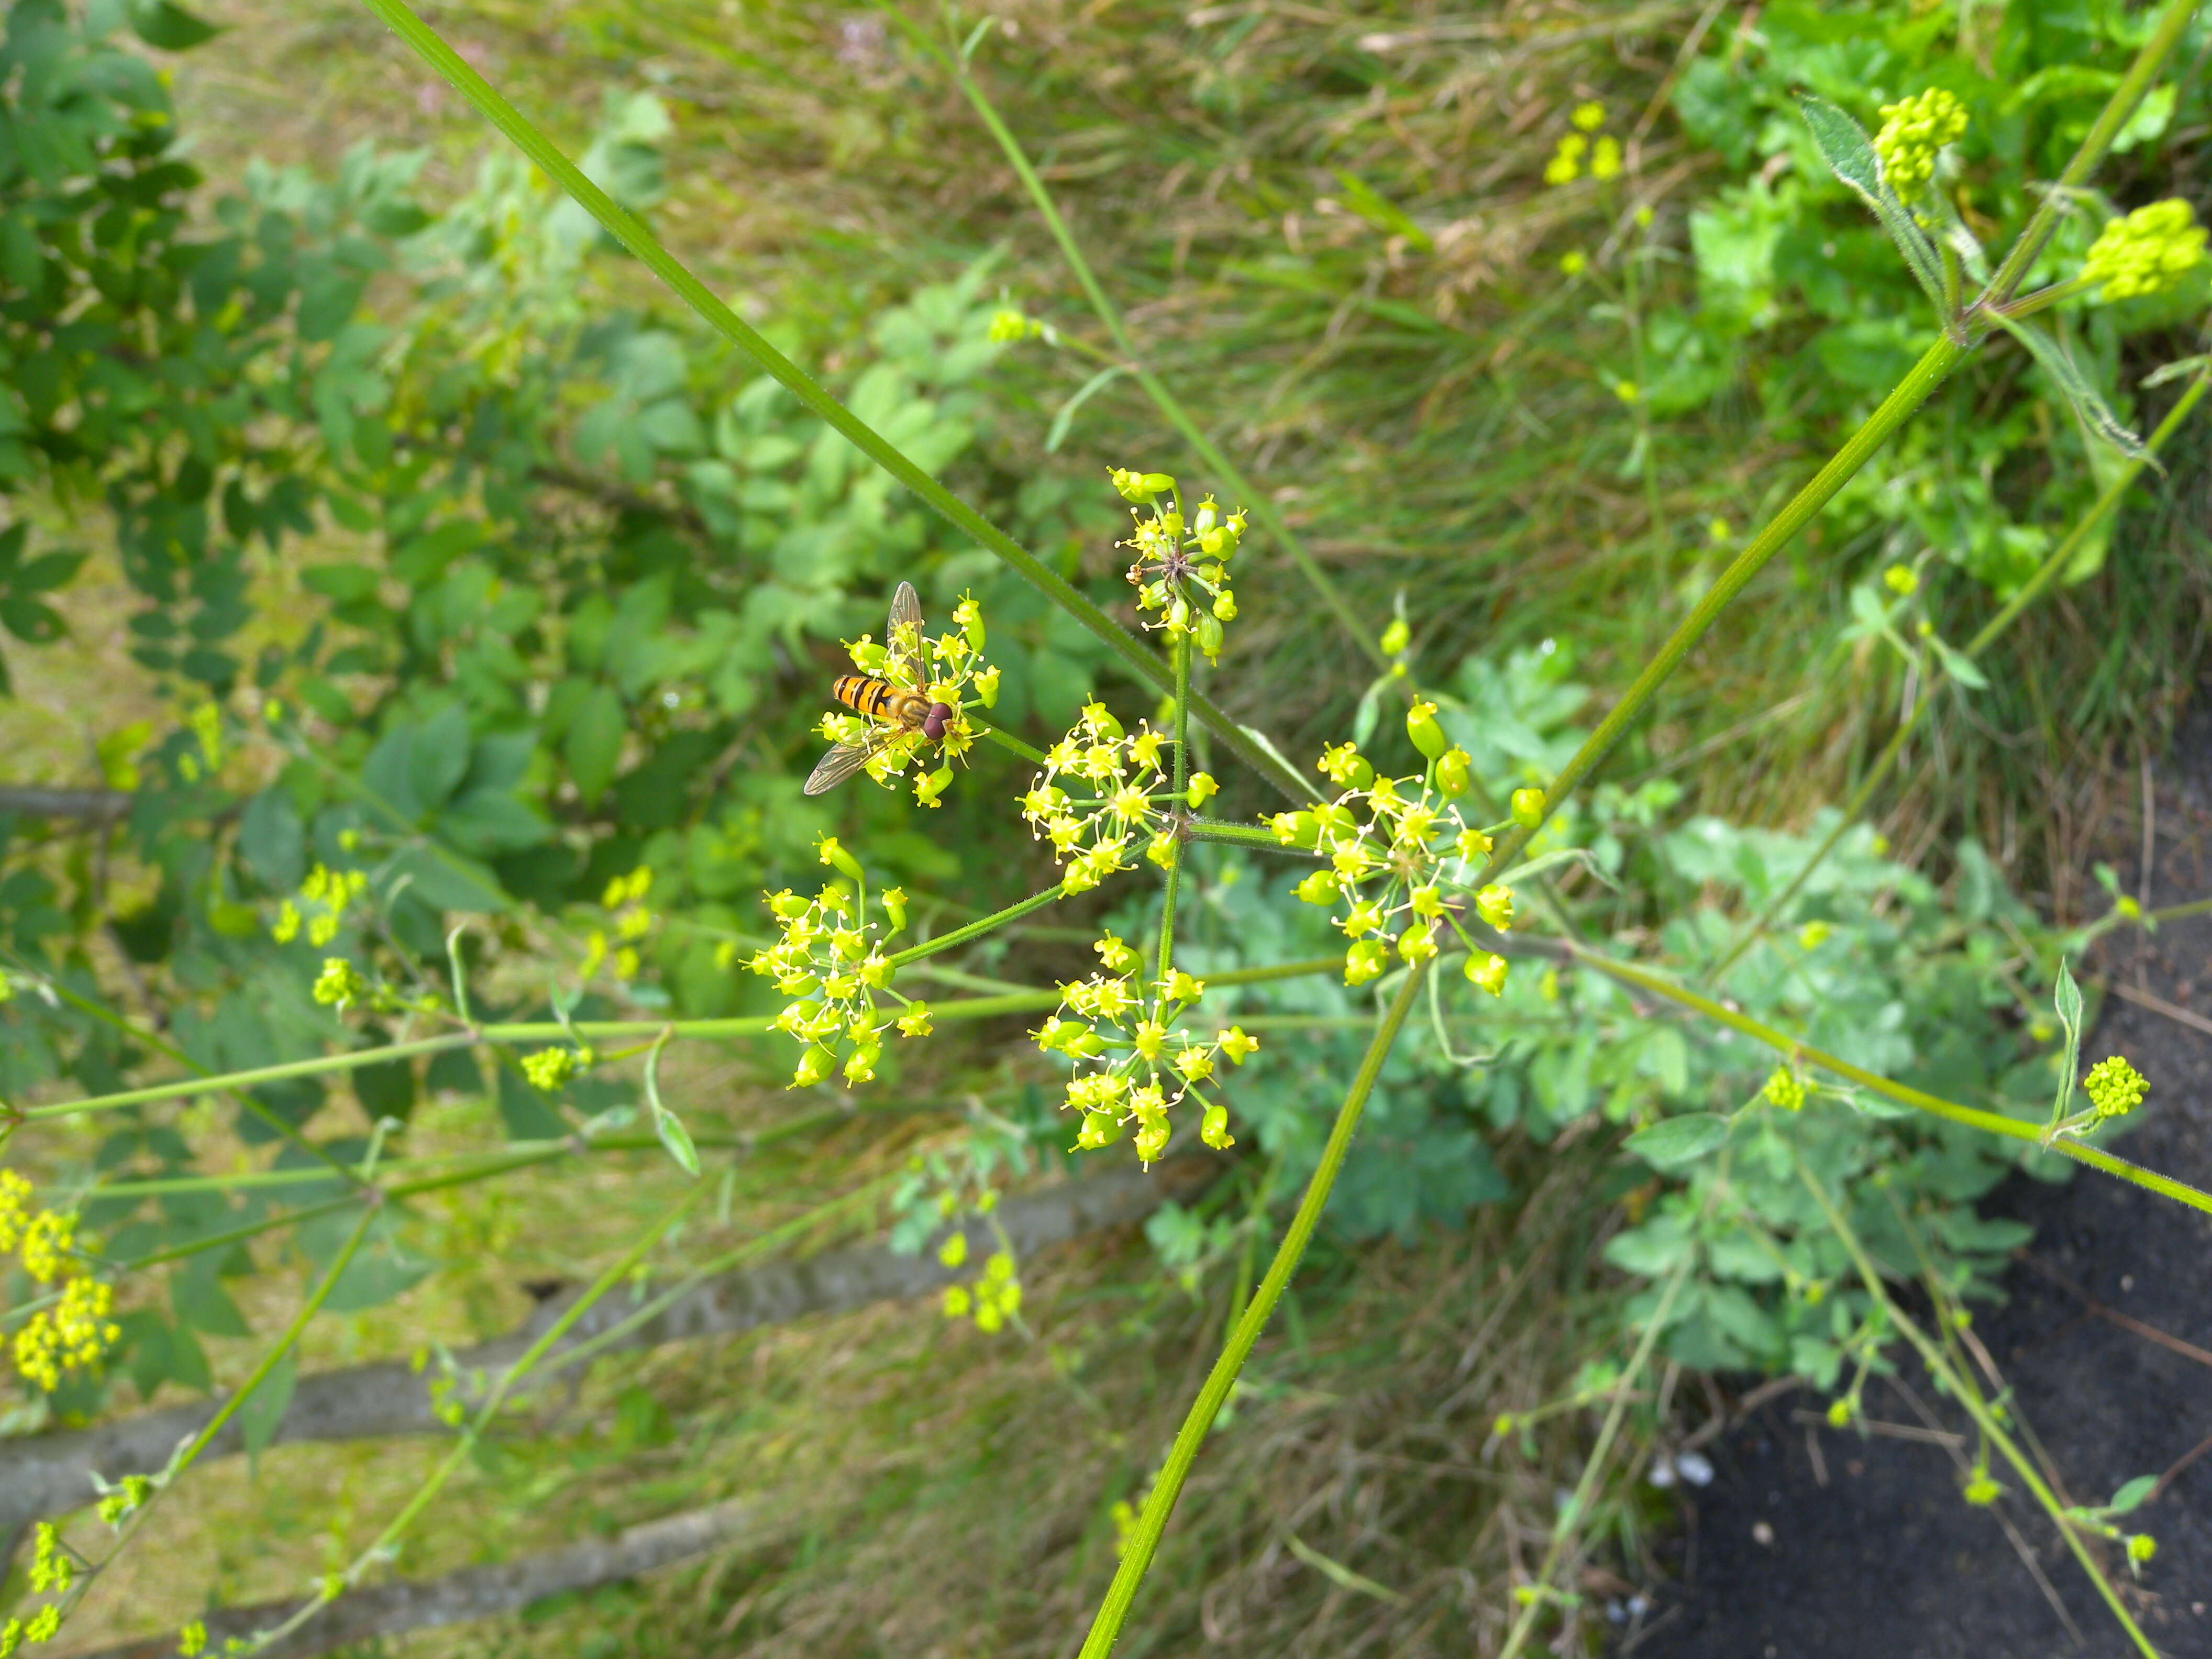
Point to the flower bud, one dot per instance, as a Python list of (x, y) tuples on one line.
[(1319, 888), (832, 852), (1527, 807), (987, 687), (1486, 971), (1421, 726), (1225, 605), (1363, 961), (970, 616), (813, 1066), (1454, 773), (1396, 637)]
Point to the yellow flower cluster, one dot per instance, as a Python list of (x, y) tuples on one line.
[(1782, 1089), (625, 898), (1604, 154), (992, 1299), (2145, 251), (549, 1069), (205, 723), (830, 959), (79, 1327), (340, 984), (944, 670), (326, 893), (1912, 131), (1394, 846), (1129, 1064), (1124, 795), (1182, 568), (2114, 1087)]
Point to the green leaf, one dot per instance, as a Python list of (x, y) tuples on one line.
[(665, 1124), (2088, 406), (1844, 146), (378, 1273), (1364, 199), (593, 745), (168, 26), (1083, 393), (1676, 1141), (439, 758), (2132, 1495), (273, 841), (2067, 1000), (1959, 667), (201, 1301), (264, 1407)]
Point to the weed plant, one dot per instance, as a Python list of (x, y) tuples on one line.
[(493, 826)]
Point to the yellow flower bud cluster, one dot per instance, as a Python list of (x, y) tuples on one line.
[(631, 921), (2145, 251), (205, 723), (326, 894), (1395, 847), (992, 1299), (945, 669), (1130, 1066), (1783, 1089), (549, 1069), (340, 985), (1182, 568), (2114, 1087), (1102, 792), (1912, 131), (831, 960), (76, 1329), (1010, 324), (1604, 152)]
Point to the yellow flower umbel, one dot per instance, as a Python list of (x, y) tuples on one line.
[(628, 922), (830, 962), (1182, 568), (324, 898), (2145, 251), (1130, 1065), (1912, 131), (1567, 159), (2114, 1087), (951, 666), (1395, 847), (74, 1331), (1102, 793)]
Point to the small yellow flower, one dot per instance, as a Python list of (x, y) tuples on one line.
[(1573, 263), (339, 984), (1605, 158), (1784, 1089), (1901, 580), (1485, 971), (2114, 1087), (1566, 164), (1588, 116), (954, 1250)]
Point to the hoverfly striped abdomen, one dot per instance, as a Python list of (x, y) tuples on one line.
[(879, 700)]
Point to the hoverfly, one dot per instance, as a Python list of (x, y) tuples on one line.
[(896, 709)]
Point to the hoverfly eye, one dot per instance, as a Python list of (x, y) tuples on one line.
[(934, 722)]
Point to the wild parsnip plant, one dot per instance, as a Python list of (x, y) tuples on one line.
[(1769, 1177)]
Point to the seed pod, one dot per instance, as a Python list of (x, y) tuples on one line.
[(1527, 807), (1209, 635), (1453, 773)]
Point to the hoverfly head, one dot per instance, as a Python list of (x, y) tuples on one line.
[(934, 722)]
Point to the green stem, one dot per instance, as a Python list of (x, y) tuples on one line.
[(1934, 1106), (1145, 1538), (1004, 739), (2032, 589), (1910, 392), (1240, 834), (1940, 1368), (1181, 789), (554, 1031), (1256, 502), (2099, 139), (1146, 664), (184, 1456), (285, 1128), (996, 919)]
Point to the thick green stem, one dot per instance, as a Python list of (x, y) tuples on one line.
[(1145, 1538), (1961, 1389), (1992, 1122), (625, 229), (1241, 834), (2032, 589), (1911, 392), (1256, 502), (2095, 144)]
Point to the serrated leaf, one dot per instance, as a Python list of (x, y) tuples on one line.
[(2088, 406), (1676, 1141), (1844, 145)]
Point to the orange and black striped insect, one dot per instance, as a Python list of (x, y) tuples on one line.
[(896, 705)]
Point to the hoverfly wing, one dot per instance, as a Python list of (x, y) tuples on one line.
[(902, 634), (847, 758)]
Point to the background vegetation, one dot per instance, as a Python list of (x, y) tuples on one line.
[(367, 510)]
